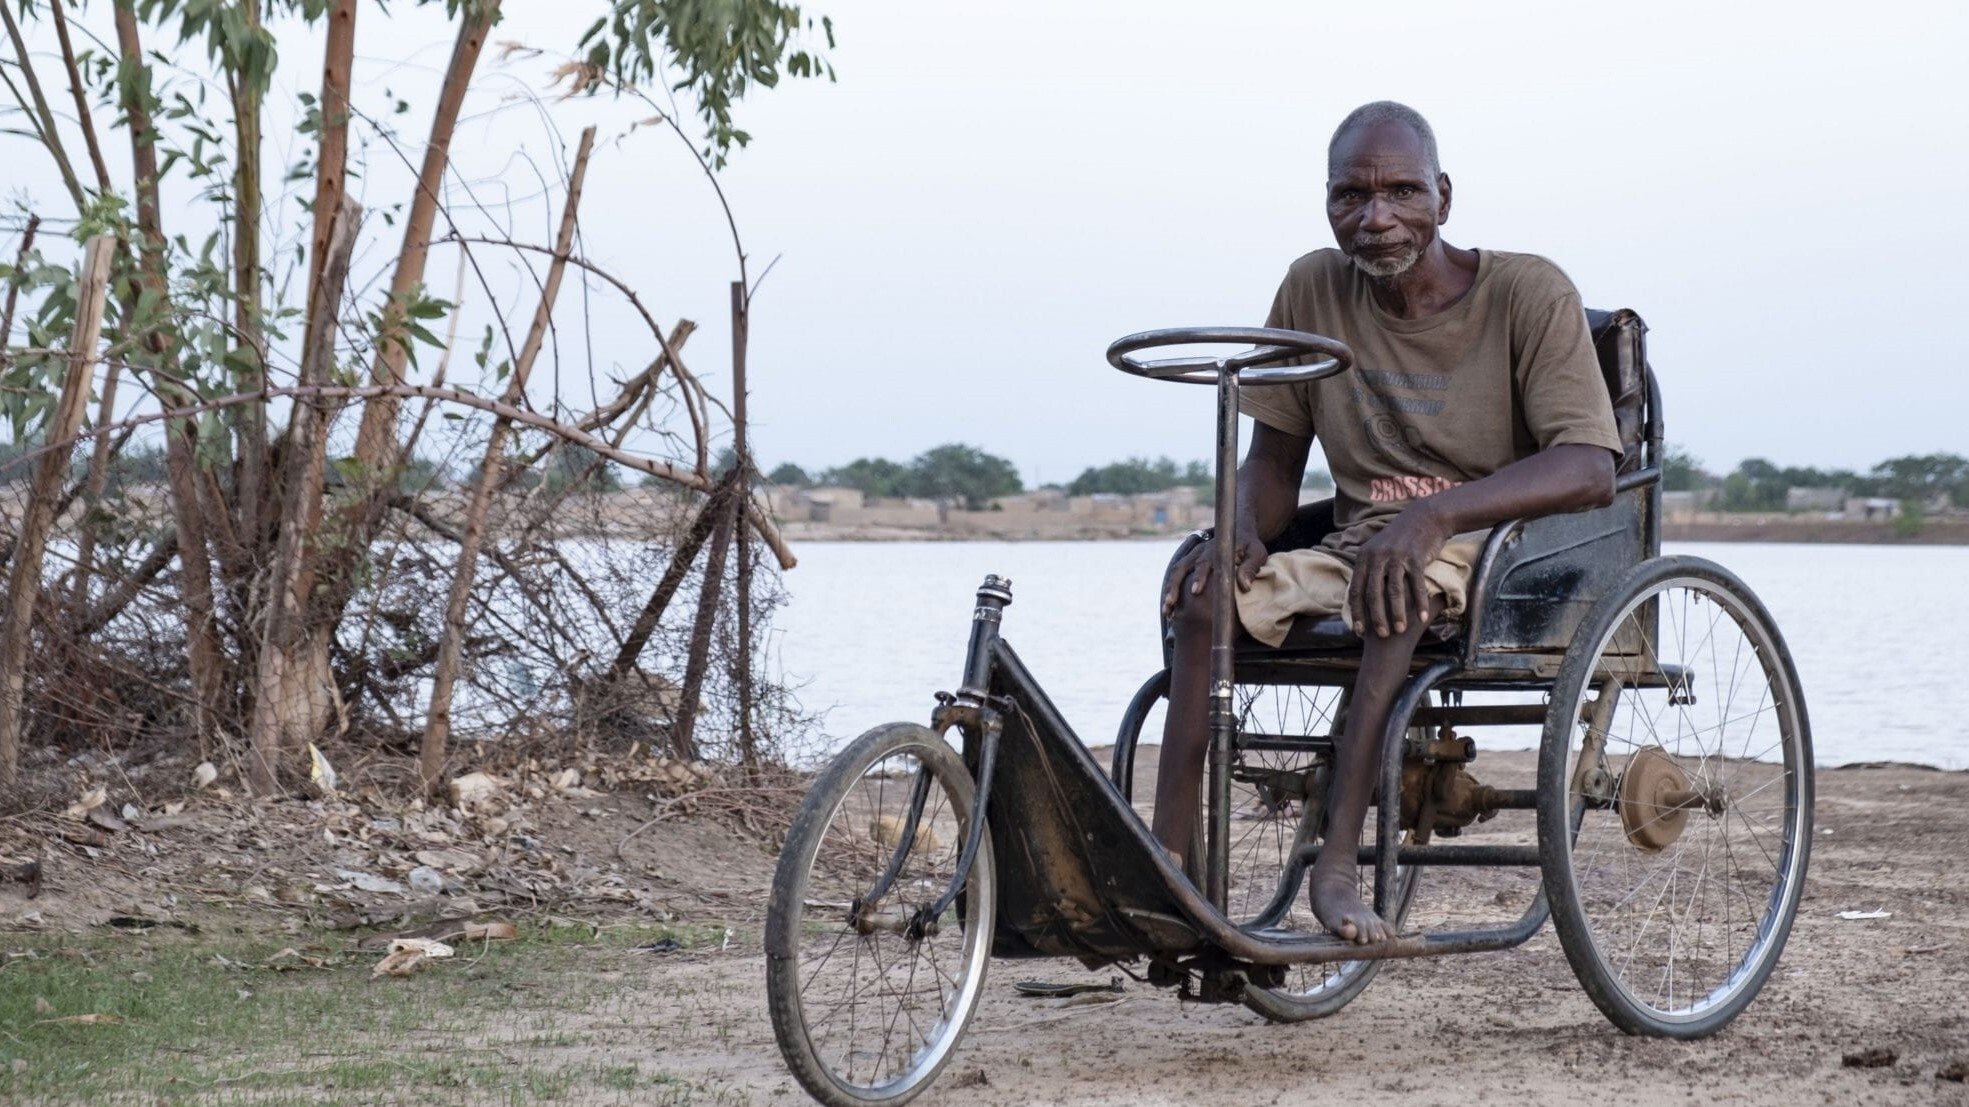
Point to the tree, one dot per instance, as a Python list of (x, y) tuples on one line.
[(1920, 477), (246, 351), (580, 469), (1682, 471), (871, 476), (1137, 475), (789, 475), (964, 473)]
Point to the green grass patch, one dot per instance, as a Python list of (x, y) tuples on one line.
[(169, 1017)]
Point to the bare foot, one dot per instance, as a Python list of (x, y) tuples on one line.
[(1340, 909)]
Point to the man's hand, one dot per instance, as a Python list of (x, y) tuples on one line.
[(1388, 588), (1193, 571)]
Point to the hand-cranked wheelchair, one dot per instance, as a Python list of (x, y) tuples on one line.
[(1673, 793)]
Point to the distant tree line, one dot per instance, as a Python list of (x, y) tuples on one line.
[(1760, 485), (966, 473), (955, 472)]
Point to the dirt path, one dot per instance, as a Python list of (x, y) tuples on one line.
[(1494, 1028)]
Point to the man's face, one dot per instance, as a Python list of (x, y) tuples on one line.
[(1382, 200)]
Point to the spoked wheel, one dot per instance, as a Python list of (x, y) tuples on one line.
[(1675, 799), (866, 1009), (1277, 802)]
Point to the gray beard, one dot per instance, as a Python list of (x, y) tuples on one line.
[(1384, 268)]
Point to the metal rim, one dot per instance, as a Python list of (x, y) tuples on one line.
[(955, 1004), (1720, 864)]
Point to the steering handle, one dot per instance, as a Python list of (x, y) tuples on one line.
[(1253, 366)]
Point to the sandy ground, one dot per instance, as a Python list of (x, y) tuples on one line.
[(1508, 1027), (1504, 1027)]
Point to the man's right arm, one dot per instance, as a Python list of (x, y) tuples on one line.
[(1267, 497)]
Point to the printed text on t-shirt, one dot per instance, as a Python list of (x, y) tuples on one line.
[(1391, 489)]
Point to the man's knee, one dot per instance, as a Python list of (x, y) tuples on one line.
[(1191, 617)]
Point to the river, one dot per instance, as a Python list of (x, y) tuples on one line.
[(872, 629)]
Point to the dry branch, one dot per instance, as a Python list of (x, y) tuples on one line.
[(82, 115)]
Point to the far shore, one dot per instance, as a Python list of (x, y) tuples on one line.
[(976, 527)]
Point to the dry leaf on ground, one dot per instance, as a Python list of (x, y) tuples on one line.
[(92, 799), (407, 953)]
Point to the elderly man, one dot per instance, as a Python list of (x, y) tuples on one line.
[(1475, 397)]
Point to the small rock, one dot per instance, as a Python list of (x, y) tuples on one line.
[(1874, 1057), (474, 788), (204, 775), (106, 819), (42, 1006), (370, 882), (457, 860), (427, 880)]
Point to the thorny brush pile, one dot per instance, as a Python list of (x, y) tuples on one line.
[(255, 509)]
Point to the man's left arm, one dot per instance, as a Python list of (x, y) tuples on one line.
[(1388, 587), (1565, 405)]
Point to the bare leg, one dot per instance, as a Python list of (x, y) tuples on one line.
[(1186, 727), (1333, 880)]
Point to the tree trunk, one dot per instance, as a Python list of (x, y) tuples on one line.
[(376, 438), (24, 580), (204, 661), (437, 725), (250, 429), (294, 687)]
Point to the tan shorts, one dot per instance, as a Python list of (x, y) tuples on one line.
[(1314, 582)]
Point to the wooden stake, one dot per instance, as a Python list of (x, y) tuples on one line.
[(437, 724), (24, 579), (748, 748)]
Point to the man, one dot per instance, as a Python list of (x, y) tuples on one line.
[(1475, 397)]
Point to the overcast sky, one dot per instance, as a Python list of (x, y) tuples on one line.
[(989, 195)]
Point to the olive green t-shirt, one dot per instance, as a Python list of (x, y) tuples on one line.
[(1505, 372)]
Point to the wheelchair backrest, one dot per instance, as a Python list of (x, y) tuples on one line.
[(1620, 341)]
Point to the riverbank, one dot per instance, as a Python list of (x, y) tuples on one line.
[(979, 526)]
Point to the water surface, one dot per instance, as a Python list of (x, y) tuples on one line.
[(874, 628)]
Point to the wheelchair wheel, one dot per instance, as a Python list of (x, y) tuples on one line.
[(864, 1013), (1675, 799), (1277, 801)]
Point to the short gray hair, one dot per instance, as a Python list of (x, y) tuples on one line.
[(1387, 111)]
